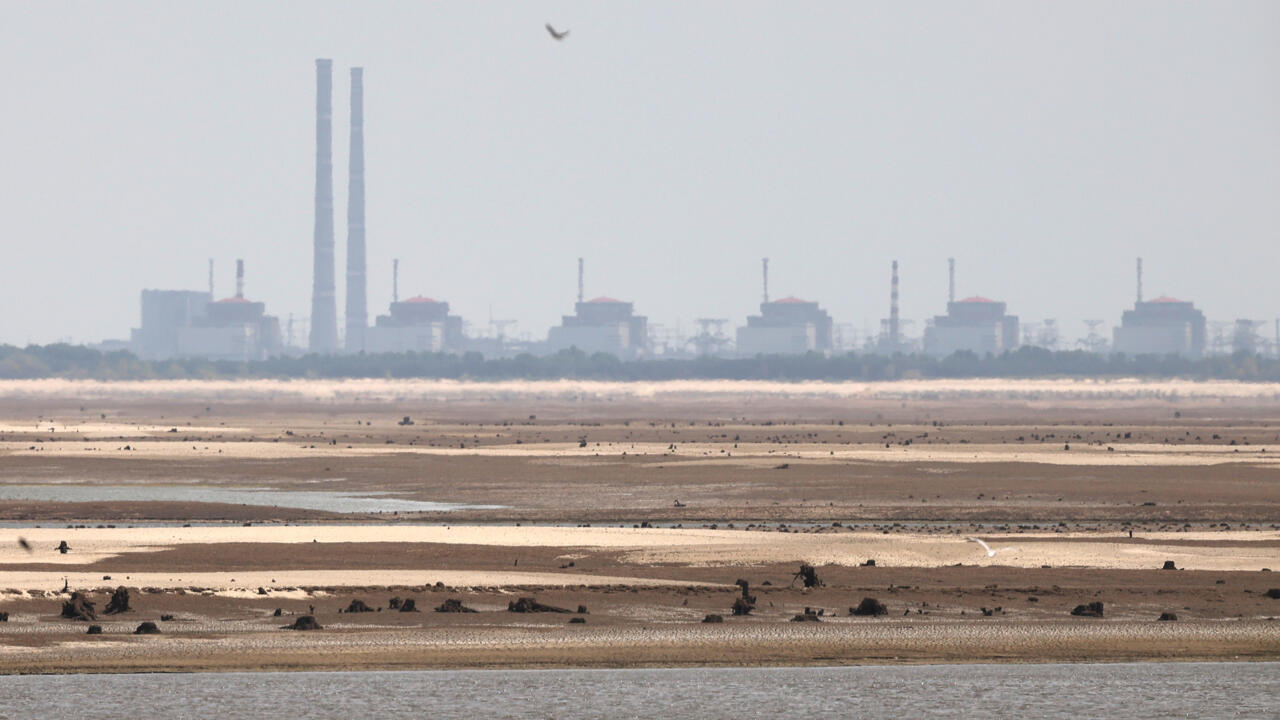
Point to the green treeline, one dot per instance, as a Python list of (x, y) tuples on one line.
[(74, 361)]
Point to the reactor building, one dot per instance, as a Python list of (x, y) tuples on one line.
[(190, 324), (789, 326), (975, 324), (601, 325), (419, 324), (164, 313), (1163, 326)]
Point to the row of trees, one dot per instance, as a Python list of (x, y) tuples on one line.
[(75, 361)]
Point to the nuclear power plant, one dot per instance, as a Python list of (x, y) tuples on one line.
[(192, 324)]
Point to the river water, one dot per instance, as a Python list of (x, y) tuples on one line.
[(342, 502), (1074, 692)]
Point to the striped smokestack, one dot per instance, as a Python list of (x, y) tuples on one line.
[(357, 314), (324, 309)]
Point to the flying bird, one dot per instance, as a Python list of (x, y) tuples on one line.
[(555, 34), (22, 543), (990, 552)]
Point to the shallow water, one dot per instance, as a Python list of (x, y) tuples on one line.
[(1134, 690), (341, 502)]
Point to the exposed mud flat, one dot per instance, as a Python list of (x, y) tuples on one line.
[(643, 505)]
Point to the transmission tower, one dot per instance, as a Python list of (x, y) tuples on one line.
[(710, 339), (1094, 342)]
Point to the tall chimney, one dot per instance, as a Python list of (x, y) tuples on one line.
[(324, 309), (210, 278), (765, 263), (579, 279), (893, 310), (357, 313), (951, 280), (1139, 279), (395, 280), (240, 279)]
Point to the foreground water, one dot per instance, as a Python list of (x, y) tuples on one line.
[(1134, 690), (342, 502)]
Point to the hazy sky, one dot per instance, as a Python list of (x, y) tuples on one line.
[(673, 144)]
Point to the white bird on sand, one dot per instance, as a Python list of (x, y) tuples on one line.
[(557, 35), (990, 552)]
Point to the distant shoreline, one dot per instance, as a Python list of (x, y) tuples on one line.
[(68, 361)]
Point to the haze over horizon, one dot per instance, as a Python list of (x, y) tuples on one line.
[(1044, 146)]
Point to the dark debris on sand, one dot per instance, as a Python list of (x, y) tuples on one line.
[(529, 605)]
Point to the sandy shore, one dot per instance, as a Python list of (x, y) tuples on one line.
[(1225, 551), (746, 455)]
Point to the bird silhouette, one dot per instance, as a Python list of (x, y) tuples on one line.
[(22, 543), (990, 552), (555, 34)]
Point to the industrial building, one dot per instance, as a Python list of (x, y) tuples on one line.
[(1163, 326), (164, 313), (189, 324), (419, 324), (602, 325), (789, 326), (975, 324)]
